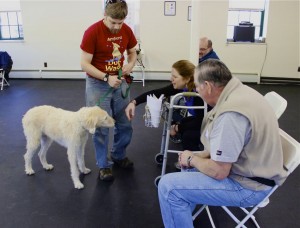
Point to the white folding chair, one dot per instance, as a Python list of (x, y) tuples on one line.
[(291, 157), (3, 82), (140, 65), (277, 102)]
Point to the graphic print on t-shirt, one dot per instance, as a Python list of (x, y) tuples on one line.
[(116, 53), (114, 64)]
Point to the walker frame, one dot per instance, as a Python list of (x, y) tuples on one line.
[(167, 114)]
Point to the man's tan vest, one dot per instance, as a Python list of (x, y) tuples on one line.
[(262, 156)]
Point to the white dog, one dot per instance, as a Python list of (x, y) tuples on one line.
[(43, 124)]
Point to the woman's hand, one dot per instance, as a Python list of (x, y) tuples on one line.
[(130, 110), (174, 129)]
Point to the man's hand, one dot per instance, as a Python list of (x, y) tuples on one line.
[(183, 158), (126, 69), (113, 81)]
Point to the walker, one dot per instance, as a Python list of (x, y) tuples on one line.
[(167, 114)]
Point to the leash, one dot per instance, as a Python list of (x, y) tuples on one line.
[(111, 88)]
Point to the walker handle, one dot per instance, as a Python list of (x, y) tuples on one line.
[(190, 94)]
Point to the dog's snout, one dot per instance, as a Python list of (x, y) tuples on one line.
[(108, 121), (113, 122)]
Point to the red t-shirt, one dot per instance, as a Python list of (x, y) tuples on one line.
[(107, 48)]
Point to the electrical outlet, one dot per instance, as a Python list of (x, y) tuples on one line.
[(45, 64)]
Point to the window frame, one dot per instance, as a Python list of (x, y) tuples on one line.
[(255, 12), (18, 26)]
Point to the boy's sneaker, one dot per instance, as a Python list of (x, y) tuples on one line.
[(176, 139), (105, 174), (123, 163)]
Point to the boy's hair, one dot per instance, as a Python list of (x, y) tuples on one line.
[(116, 9)]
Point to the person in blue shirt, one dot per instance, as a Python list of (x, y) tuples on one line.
[(206, 50)]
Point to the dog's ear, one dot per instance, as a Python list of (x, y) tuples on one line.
[(88, 119)]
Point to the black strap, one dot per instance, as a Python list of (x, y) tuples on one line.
[(264, 181)]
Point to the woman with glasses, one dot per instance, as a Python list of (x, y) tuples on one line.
[(103, 46), (182, 80)]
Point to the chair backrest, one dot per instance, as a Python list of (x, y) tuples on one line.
[(291, 151), (277, 102)]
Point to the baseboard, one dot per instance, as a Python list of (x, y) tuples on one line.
[(273, 80), (149, 75), (247, 77)]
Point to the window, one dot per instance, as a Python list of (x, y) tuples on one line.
[(11, 26), (251, 12)]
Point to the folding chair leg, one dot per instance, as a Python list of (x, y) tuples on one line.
[(210, 218), (241, 223), (249, 215), (208, 213), (233, 217), (4, 82), (199, 211)]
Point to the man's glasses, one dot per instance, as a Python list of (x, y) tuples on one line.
[(113, 1)]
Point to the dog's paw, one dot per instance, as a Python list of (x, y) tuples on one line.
[(29, 171), (48, 167), (86, 171), (78, 185)]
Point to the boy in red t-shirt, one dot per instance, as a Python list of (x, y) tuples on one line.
[(103, 46)]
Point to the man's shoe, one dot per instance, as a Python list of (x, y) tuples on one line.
[(105, 174), (123, 163)]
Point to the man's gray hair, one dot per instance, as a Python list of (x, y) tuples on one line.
[(213, 70)]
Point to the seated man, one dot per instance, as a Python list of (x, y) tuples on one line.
[(242, 157), (206, 50)]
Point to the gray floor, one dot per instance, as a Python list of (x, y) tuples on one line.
[(48, 199)]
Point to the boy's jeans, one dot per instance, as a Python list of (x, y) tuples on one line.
[(115, 106)]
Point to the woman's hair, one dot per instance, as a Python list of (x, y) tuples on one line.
[(213, 70), (116, 9), (186, 69)]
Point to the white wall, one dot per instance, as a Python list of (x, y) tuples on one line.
[(165, 39), (279, 57), (53, 32)]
